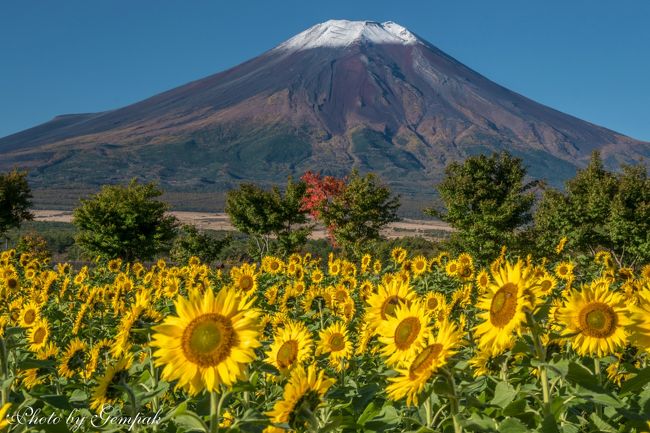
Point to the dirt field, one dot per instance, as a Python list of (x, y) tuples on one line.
[(219, 221)]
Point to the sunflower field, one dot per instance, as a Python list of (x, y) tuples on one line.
[(305, 344)]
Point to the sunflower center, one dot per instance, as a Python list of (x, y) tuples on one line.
[(504, 305), (39, 335), (465, 271), (208, 339), (30, 316), (432, 303), (287, 353), (389, 306), (483, 281), (598, 320), (546, 285), (246, 282), (337, 342), (406, 332), (424, 359)]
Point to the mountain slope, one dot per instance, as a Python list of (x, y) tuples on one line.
[(340, 94)]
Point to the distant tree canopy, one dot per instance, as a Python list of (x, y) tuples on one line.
[(274, 220), (486, 201), (124, 221), (599, 209), (15, 200), (354, 210)]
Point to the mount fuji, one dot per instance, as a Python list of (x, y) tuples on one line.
[(341, 94)]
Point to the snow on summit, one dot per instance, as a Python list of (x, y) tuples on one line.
[(341, 33)]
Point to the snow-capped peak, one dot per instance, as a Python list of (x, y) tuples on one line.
[(341, 33)]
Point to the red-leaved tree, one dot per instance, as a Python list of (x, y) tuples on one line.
[(320, 192)]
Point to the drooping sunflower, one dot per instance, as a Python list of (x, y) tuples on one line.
[(210, 342), (504, 306), (429, 359), (334, 342), (404, 334), (292, 346), (597, 318), (73, 359), (106, 391), (389, 295), (303, 394), (398, 254), (38, 335)]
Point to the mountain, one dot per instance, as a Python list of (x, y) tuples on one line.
[(341, 94)]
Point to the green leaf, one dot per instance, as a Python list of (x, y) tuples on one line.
[(513, 425), (190, 421), (601, 424), (370, 412), (580, 375), (504, 394), (637, 382), (57, 401), (549, 425), (515, 408)]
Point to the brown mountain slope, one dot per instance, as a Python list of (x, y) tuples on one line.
[(340, 94)]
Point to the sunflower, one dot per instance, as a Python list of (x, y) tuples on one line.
[(564, 270), (244, 278), (404, 334), (504, 307), (645, 272), (366, 260), (334, 267), (291, 347), (428, 360), (451, 268), (597, 317), (389, 295), (73, 359), (398, 254), (547, 283), (334, 342), (106, 391), (29, 314), (376, 266), (480, 363), (302, 396), (419, 265), (114, 265), (210, 342), (434, 301), (482, 280), (38, 334), (317, 276)]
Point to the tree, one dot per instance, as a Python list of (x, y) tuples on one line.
[(15, 201), (266, 215), (354, 211), (599, 209), (486, 201), (190, 242), (124, 221)]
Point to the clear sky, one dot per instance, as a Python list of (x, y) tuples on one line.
[(588, 58)]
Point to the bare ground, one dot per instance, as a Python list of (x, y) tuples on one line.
[(219, 221)]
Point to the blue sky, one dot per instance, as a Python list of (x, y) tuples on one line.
[(590, 59)]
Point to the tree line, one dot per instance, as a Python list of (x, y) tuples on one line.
[(486, 199)]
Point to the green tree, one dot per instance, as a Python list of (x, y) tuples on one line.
[(15, 201), (355, 215), (124, 221), (274, 220), (191, 242), (599, 209), (486, 201)]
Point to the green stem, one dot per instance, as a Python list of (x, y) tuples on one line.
[(5, 371), (599, 407), (453, 402), (214, 412), (540, 352)]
